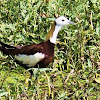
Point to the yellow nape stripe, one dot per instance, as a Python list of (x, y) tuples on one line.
[(50, 33)]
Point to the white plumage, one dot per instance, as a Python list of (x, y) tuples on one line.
[(30, 60)]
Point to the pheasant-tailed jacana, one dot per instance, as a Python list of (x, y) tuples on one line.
[(37, 55)]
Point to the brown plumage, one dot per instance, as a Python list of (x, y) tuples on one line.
[(36, 55), (46, 48)]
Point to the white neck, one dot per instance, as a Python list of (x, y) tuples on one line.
[(55, 33)]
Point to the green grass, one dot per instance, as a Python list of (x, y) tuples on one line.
[(77, 54)]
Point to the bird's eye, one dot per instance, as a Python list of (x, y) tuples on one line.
[(63, 20)]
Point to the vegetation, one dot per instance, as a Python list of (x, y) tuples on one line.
[(74, 73)]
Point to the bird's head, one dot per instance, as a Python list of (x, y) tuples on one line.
[(56, 26), (61, 21)]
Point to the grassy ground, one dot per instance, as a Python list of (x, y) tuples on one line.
[(75, 71)]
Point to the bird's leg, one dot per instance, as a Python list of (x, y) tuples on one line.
[(34, 73), (30, 78)]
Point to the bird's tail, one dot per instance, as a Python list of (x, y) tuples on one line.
[(3, 45), (7, 49)]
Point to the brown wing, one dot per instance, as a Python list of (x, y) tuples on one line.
[(15, 50)]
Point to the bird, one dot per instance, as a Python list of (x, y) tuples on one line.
[(36, 55)]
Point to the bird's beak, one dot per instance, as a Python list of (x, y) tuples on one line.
[(70, 22)]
